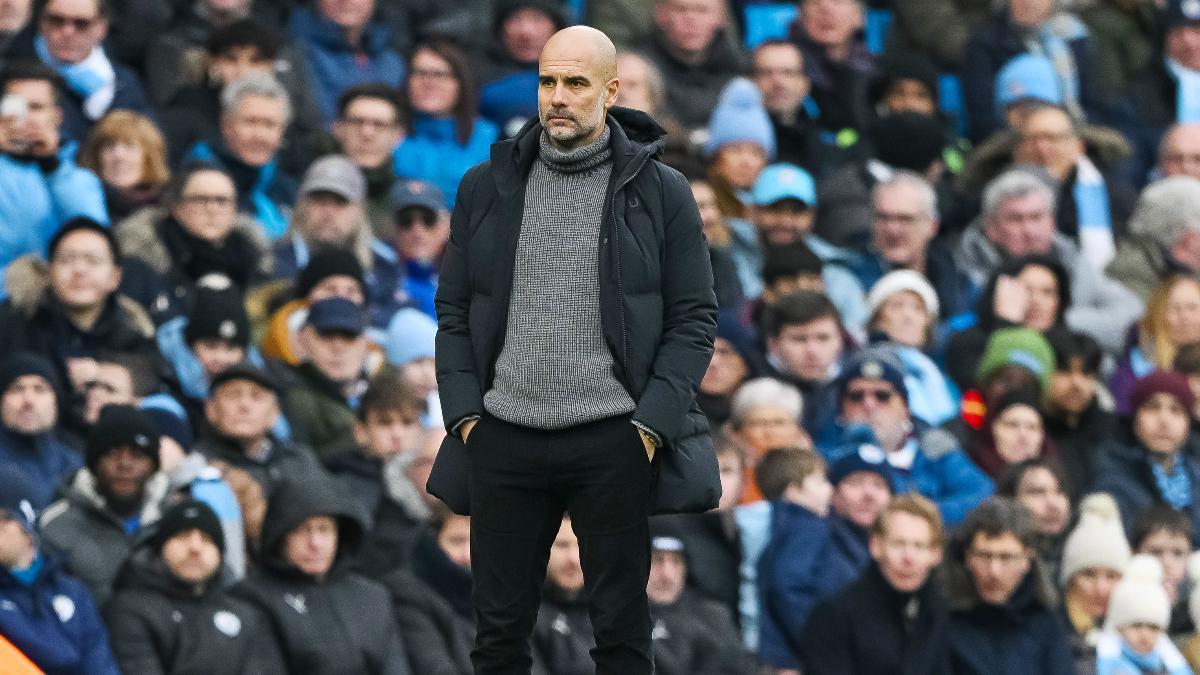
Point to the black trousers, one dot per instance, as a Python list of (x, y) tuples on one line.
[(522, 481)]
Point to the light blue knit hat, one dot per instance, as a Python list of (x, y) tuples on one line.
[(1028, 77), (740, 116), (410, 336)]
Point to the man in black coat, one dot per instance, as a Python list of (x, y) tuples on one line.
[(576, 320)]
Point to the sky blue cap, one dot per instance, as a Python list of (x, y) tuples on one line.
[(784, 181)]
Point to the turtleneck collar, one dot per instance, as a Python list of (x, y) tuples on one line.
[(580, 159)]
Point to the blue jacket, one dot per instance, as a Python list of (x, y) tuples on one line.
[(334, 65), (55, 623), (802, 563), (1124, 472), (45, 460), (511, 97), (432, 152), (36, 198), (264, 192)]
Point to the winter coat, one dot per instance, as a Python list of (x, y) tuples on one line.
[(863, 630), (92, 541), (161, 625), (54, 622), (265, 192), (1125, 34), (290, 254), (694, 636), (41, 195), (342, 623), (287, 462), (1079, 443), (954, 290), (713, 552), (44, 460), (508, 88), (562, 636), (1150, 106), (1141, 265), (692, 89), (657, 306), (439, 641), (1123, 471), (1100, 307), (800, 565), (938, 29), (839, 88), (432, 152), (334, 65), (320, 415), (127, 95)]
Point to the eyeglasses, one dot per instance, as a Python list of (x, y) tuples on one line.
[(88, 259), (1166, 551), (989, 557), (882, 396), (220, 201), (58, 22), (430, 221), (428, 74), (368, 123)]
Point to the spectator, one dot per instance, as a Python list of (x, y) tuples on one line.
[(109, 502), (643, 88), (30, 445), (213, 336), (1001, 605), (836, 59), (765, 414), (1024, 84), (330, 212), (733, 363), (330, 272), (409, 347), (1172, 320), (892, 616), (1187, 362), (939, 29), (904, 83), (1125, 40), (740, 144), (17, 30), (904, 310), (1136, 635), (1094, 557), (1076, 415), (70, 40), (1014, 431), (1166, 535), (862, 488), (368, 129), (805, 345), (1153, 469), (563, 634), (441, 638), (49, 616), (170, 612), (1018, 220), (118, 378), (255, 111), (445, 136), (176, 55), (1039, 486), (778, 71), (422, 228), (128, 152), (733, 249), (343, 45), (327, 618), (1179, 151), (1163, 237), (508, 66), (42, 187), (690, 47)]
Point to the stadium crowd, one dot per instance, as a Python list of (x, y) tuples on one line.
[(955, 394)]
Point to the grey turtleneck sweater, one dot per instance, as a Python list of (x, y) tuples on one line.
[(555, 370)]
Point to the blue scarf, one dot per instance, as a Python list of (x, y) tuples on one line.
[(1093, 214), (92, 78), (1187, 92), (1176, 488), (273, 220), (1052, 40), (27, 575)]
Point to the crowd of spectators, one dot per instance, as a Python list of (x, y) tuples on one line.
[(955, 393)]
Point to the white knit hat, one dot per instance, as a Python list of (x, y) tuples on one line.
[(1193, 571), (1139, 597), (903, 280), (1098, 539)]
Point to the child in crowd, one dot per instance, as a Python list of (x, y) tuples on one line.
[(1135, 639)]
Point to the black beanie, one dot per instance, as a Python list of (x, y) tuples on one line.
[(82, 223), (551, 8), (122, 426), (896, 67), (326, 263), (189, 515), (908, 140), (27, 363), (218, 315)]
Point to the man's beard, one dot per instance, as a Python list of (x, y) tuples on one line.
[(582, 130)]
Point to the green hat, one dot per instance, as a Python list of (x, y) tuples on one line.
[(1018, 346)]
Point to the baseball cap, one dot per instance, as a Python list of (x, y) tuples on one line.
[(335, 315), (784, 181), (335, 174), (408, 193)]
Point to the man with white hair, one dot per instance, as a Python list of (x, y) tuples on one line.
[(1018, 220), (1179, 152), (1164, 236)]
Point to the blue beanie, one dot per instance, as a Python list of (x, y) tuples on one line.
[(1027, 77), (410, 336), (740, 116), (878, 363), (859, 451), (171, 419), (17, 497)]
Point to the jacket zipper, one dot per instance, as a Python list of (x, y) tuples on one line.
[(616, 235)]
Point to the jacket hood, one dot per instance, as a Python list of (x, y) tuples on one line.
[(294, 502), (1106, 148), (138, 238), (27, 281)]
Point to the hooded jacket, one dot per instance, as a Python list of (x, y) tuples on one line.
[(657, 305), (441, 639), (320, 415), (44, 460), (286, 461), (562, 636), (1124, 471), (341, 623), (159, 624), (696, 636)]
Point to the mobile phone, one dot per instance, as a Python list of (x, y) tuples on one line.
[(15, 106)]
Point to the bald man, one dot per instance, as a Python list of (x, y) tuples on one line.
[(576, 318), (1179, 152)]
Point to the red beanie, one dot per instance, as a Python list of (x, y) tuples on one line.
[(1161, 382)]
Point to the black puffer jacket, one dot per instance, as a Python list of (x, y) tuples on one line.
[(158, 624), (694, 636), (439, 640), (342, 623)]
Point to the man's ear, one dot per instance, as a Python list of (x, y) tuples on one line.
[(611, 88)]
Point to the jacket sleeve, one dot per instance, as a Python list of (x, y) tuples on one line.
[(458, 380), (75, 191), (689, 314), (132, 641), (790, 584), (963, 486), (97, 656), (826, 649), (1102, 308)]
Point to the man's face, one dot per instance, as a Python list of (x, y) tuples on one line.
[(779, 74), (121, 474), (564, 569), (910, 96), (15, 15), (254, 128), (368, 132), (808, 351), (997, 566), (42, 119), (574, 93), (455, 540), (1183, 45), (421, 234), (339, 356), (243, 410), (29, 406), (338, 286), (16, 546), (634, 73), (1180, 154), (82, 272), (729, 464), (1029, 13), (1072, 389), (690, 25), (72, 28), (860, 497), (207, 206), (768, 426), (1022, 225), (433, 88), (901, 227), (831, 23), (1161, 424), (1172, 549), (237, 62), (668, 571), (347, 13), (388, 432), (113, 384), (740, 163), (1048, 139), (905, 551), (726, 371), (1041, 493), (191, 556), (329, 219), (215, 354), (312, 545), (876, 403), (525, 32), (785, 222)]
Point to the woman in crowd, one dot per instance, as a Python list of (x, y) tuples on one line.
[(1038, 485), (1014, 431), (128, 153), (1172, 320)]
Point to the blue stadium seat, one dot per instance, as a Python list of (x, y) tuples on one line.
[(879, 24), (768, 21), (951, 101)]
